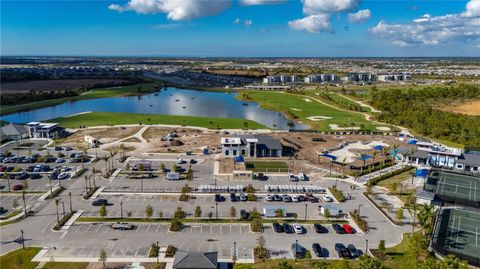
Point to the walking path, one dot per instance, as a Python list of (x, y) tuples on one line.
[(361, 103)]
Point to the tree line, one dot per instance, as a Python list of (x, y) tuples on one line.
[(417, 109)]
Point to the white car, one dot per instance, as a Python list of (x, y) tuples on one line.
[(269, 198), (59, 160), (295, 198), (298, 228), (63, 176), (292, 177), (327, 198)]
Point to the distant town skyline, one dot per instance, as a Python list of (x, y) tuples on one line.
[(241, 28)]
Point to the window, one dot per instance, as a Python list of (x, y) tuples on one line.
[(234, 152), (226, 152), (243, 152)]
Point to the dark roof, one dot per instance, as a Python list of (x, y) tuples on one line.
[(420, 154), (14, 129), (197, 260), (469, 159), (268, 141)]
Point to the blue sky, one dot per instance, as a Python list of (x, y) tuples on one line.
[(263, 28)]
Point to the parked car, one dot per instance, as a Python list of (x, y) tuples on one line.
[(63, 176), (21, 176), (122, 226), (50, 160), (100, 202), (35, 176), (277, 198), (244, 215), (298, 228), (327, 198), (288, 228), (3, 210), (295, 199), (318, 250), (338, 229), (342, 250), (3, 168), (9, 169), (68, 148), (54, 175), (312, 198), (233, 197), (354, 252), (30, 168), (320, 228), (17, 187), (298, 251), (59, 160), (181, 161), (348, 229), (286, 198), (277, 227), (243, 197), (193, 161), (269, 198), (58, 148), (219, 198)]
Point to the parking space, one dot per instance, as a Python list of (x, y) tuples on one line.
[(13, 202)]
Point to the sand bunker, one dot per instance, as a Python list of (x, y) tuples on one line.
[(318, 118), (350, 157), (383, 128), (295, 109), (338, 128), (307, 100)]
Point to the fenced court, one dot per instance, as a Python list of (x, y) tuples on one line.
[(268, 166), (458, 232), (454, 187)]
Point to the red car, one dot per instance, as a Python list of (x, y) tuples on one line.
[(17, 187), (347, 228), (3, 168)]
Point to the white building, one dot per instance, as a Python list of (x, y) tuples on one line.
[(251, 146), (361, 77), (281, 79), (45, 130), (319, 78), (394, 77)]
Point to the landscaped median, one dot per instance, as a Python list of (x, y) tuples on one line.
[(110, 118)]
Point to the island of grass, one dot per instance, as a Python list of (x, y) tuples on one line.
[(130, 90), (309, 110), (267, 166), (111, 118)]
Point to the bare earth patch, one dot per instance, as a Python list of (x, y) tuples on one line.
[(471, 108), (104, 135), (318, 118)]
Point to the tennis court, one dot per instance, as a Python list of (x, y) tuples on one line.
[(454, 187), (458, 232)]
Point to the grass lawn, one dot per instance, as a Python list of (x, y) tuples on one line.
[(136, 89), (297, 108), (110, 118), (387, 183), (19, 259), (65, 265), (397, 257), (267, 166), (301, 263)]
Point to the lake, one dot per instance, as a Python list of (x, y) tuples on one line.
[(169, 101)]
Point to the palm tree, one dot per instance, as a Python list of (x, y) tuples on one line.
[(425, 218), (363, 157)]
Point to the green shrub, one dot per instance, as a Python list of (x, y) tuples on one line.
[(179, 214), (338, 194), (361, 223), (170, 251), (251, 197), (256, 226), (175, 226)]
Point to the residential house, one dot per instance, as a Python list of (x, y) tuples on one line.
[(251, 146), (13, 131), (45, 130)]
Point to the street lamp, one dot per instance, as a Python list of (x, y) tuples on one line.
[(70, 196), (234, 258), (23, 240), (366, 246), (306, 206), (121, 210), (157, 253), (296, 248), (359, 210), (336, 181), (63, 208), (216, 210)]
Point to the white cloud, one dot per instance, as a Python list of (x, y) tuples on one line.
[(248, 22), (434, 30), (312, 23), (237, 21), (473, 9), (311, 7), (260, 2), (360, 16), (175, 9)]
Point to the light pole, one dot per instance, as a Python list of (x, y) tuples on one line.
[(296, 248), (23, 240), (24, 203), (215, 185), (366, 246), (234, 258), (70, 197), (216, 210), (157, 253), (306, 206), (359, 210), (121, 210), (141, 182), (336, 181)]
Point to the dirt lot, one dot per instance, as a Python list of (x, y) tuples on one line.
[(54, 85), (105, 135), (471, 108)]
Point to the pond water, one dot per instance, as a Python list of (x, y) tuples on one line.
[(169, 101)]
